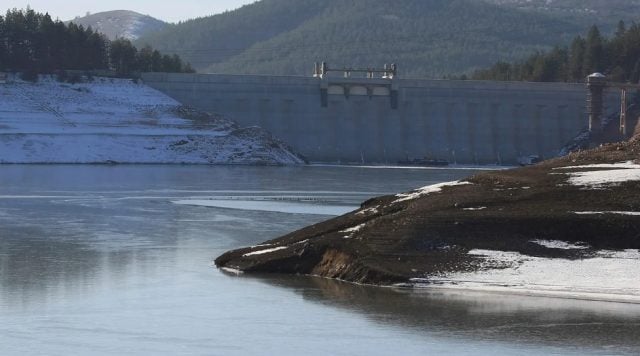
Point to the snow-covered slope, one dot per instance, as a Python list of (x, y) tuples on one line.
[(613, 10), (117, 120), (121, 23)]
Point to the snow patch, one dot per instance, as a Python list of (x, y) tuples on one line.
[(354, 229), (351, 231), (368, 211), (435, 188), (628, 165), (608, 276), (262, 252), (557, 244), (475, 209), (232, 270), (274, 249), (119, 121), (607, 174), (633, 213), (261, 245)]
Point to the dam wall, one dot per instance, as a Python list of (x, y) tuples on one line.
[(362, 120)]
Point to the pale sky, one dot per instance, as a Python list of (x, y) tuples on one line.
[(167, 10)]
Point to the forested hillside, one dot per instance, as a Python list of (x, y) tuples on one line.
[(214, 39), (618, 57), (588, 9), (33, 43), (426, 38)]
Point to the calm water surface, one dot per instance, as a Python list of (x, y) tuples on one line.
[(99, 260)]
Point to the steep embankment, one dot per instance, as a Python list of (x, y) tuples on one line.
[(119, 121), (569, 226)]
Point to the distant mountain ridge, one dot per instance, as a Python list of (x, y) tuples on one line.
[(121, 24), (426, 38)]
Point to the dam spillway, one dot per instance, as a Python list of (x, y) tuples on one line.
[(366, 120)]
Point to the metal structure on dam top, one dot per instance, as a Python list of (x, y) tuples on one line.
[(348, 86), (382, 118)]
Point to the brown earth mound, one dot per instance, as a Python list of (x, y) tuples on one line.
[(429, 232)]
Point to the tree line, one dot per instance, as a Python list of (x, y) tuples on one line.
[(617, 57), (33, 42)]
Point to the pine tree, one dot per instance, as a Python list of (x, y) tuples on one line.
[(145, 59), (3, 46), (32, 42), (594, 53), (43, 49), (123, 56), (576, 70), (156, 61)]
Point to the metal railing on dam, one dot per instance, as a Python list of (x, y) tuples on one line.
[(365, 120)]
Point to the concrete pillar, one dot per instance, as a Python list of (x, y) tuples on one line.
[(596, 83), (623, 113)]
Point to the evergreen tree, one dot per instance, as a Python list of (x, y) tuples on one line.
[(594, 52), (34, 43), (145, 59), (123, 56), (3, 47), (156, 61), (618, 58), (575, 68)]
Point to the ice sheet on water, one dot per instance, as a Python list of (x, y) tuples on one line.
[(288, 207)]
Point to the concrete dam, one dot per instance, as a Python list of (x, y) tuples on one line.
[(375, 120)]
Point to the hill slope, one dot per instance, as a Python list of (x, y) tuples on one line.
[(121, 23), (610, 10), (568, 227), (116, 120), (424, 37)]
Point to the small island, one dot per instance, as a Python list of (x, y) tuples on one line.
[(568, 227)]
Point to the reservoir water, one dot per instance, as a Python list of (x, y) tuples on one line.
[(118, 260)]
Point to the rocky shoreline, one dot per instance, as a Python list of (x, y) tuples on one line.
[(570, 209)]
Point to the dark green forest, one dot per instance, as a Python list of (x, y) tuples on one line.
[(426, 38), (618, 57), (32, 42)]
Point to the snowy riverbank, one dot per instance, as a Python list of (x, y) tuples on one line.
[(117, 120), (604, 276), (567, 227)]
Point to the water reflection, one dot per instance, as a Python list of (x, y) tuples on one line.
[(34, 271), (100, 258), (565, 323)]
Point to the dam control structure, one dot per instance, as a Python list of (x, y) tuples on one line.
[(384, 120)]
